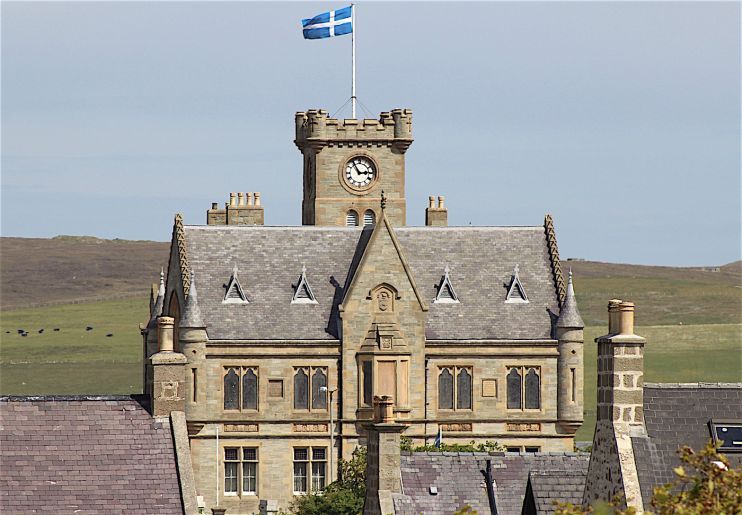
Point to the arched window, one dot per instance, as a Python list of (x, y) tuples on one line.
[(463, 389), (319, 396), (250, 390), (533, 389), (369, 217), (514, 389), (231, 389), (301, 389), (351, 219), (445, 389)]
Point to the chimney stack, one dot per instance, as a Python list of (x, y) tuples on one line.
[(436, 216), (383, 463), (242, 209), (168, 371)]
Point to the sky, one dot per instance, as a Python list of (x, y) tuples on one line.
[(620, 119)]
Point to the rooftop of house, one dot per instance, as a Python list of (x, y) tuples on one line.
[(85, 454), (482, 263), (678, 414), (459, 480)]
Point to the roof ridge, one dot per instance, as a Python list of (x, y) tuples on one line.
[(668, 386)]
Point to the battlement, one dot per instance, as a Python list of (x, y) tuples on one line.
[(315, 127)]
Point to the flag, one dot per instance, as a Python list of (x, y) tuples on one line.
[(331, 23), (439, 438)]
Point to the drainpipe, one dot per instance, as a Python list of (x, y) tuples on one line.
[(490, 488)]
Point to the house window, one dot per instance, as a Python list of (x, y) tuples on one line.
[(310, 469), (241, 388), (351, 219), (240, 471), (367, 380), (454, 388), (524, 394), (308, 386)]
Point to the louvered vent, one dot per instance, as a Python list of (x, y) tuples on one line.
[(351, 219), (369, 218), (445, 293), (302, 293)]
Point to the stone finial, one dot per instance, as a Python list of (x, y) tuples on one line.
[(191, 312), (569, 315), (159, 302)]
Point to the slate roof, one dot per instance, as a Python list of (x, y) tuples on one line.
[(77, 455), (270, 261), (459, 478), (547, 487), (675, 415)]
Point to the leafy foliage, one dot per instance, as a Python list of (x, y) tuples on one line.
[(406, 445), (342, 497)]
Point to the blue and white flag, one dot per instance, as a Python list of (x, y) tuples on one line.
[(438, 439), (326, 25)]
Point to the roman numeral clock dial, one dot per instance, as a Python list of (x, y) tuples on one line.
[(360, 172)]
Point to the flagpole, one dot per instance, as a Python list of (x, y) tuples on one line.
[(353, 45)]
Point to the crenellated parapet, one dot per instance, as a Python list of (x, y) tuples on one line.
[(314, 128)]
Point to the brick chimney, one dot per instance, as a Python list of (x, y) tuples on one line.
[(383, 462), (168, 372), (242, 209), (436, 216), (620, 413)]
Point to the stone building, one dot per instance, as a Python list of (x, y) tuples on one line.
[(282, 336)]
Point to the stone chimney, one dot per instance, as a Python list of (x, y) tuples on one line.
[(242, 209), (383, 465), (436, 216), (168, 373), (620, 412)]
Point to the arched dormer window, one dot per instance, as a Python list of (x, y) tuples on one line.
[(351, 219), (369, 217)]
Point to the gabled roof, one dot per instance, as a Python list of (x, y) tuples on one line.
[(459, 478), (547, 487), (677, 414), (92, 455), (482, 257)]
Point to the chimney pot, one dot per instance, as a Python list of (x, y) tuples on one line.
[(249, 198), (257, 199), (232, 199), (613, 316), (626, 326), (214, 205), (431, 201), (441, 198), (241, 199), (165, 333)]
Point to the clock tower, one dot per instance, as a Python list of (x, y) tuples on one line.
[(347, 164)]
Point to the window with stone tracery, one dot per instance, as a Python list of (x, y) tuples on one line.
[(524, 388), (240, 388), (455, 388)]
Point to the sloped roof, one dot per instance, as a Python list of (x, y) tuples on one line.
[(91, 455), (547, 487), (459, 477), (677, 414), (482, 259)]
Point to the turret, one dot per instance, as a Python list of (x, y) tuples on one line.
[(570, 364), (149, 332), (192, 337)]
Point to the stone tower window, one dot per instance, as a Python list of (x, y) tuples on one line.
[(369, 217), (351, 219), (308, 380), (524, 394), (245, 390)]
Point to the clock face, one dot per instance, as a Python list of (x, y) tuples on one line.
[(360, 172)]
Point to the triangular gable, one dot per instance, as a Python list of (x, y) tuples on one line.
[(383, 225), (234, 293), (303, 292), (516, 292), (446, 293)]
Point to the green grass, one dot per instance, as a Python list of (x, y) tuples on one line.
[(73, 360), (677, 354)]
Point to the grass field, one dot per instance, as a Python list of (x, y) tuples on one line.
[(76, 361)]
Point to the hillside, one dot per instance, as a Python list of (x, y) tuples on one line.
[(66, 269)]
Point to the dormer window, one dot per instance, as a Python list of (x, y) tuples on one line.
[(446, 294), (234, 293), (302, 291), (516, 292)]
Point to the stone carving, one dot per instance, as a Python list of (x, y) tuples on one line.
[(240, 428), (385, 342), (385, 300), (456, 427), (168, 391), (524, 427), (310, 428)]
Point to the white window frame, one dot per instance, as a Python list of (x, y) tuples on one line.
[(309, 474), (239, 477)]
